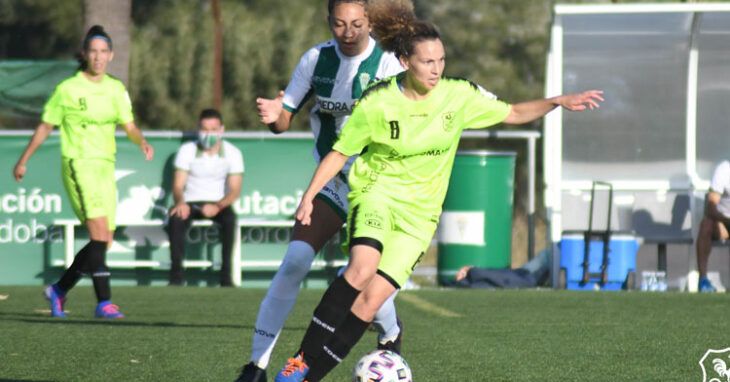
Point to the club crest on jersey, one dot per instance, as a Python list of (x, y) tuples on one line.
[(447, 119), (364, 80)]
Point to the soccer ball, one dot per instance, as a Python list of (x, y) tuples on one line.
[(382, 366)]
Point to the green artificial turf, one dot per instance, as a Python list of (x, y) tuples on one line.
[(204, 334)]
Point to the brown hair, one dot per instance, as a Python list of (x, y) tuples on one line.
[(396, 27), (331, 4)]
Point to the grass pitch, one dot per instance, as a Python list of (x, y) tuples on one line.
[(204, 334)]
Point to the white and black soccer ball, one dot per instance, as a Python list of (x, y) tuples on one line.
[(382, 366)]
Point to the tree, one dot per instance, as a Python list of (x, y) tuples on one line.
[(171, 67), (116, 18), (217, 55), (39, 29)]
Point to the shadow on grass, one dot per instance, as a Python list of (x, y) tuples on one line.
[(37, 319), (26, 380)]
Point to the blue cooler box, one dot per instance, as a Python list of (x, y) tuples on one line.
[(621, 260)]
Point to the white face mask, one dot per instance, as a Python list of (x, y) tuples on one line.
[(207, 140)]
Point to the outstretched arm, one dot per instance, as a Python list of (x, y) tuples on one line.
[(328, 168), (39, 136), (273, 114), (529, 111)]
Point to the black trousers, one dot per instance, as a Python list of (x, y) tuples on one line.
[(177, 228)]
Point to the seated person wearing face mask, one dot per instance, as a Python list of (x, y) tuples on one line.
[(208, 175)]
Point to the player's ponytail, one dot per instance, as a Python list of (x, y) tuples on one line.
[(96, 31), (396, 27)]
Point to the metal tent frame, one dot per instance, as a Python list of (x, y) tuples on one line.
[(557, 184)]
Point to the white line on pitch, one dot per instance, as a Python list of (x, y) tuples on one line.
[(427, 306)]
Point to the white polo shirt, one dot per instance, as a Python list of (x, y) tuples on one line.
[(720, 183), (207, 173)]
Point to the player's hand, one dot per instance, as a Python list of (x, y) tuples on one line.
[(581, 101), (270, 109), (181, 210), (19, 171), (147, 150), (304, 212), (209, 210)]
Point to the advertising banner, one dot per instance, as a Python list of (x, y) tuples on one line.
[(277, 170)]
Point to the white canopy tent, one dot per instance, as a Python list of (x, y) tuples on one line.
[(665, 124)]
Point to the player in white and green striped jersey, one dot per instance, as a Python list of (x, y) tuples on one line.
[(335, 73)]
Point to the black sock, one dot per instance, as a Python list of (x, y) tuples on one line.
[(329, 314), (336, 349), (72, 275), (99, 271)]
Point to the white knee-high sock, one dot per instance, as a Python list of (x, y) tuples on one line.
[(279, 300), (386, 320)]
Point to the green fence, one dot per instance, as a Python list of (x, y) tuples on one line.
[(26, 85), (278, 169)]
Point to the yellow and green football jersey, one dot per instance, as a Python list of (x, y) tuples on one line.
[(87, 114), (411, 144)]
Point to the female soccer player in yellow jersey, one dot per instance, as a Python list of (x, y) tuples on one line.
[(87, 107), (334, 73), (410, 124)]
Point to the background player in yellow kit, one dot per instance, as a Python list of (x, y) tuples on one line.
[(87, 107)]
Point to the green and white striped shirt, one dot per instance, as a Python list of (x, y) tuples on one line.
[(336, 81)]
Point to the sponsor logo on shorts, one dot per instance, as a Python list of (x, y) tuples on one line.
[(374, 221), (334, 196)]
